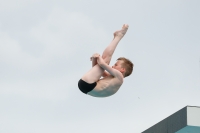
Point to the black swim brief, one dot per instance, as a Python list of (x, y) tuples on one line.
[(86, 87)]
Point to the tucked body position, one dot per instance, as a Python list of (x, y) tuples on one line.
[(103, 80)]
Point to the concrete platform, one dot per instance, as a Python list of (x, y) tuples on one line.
[(186, 120)]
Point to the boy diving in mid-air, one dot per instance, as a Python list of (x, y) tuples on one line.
[(92, 84)]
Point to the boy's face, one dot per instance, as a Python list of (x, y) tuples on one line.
[(118, 66)]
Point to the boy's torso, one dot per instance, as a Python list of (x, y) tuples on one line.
[(106, 86)]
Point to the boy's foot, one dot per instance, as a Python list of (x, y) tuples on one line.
[(122, 32)]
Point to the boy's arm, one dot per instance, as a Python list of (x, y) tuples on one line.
[(94, 62), (94, 59), (105, 74), (109, 69)]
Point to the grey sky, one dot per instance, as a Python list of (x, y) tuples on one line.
[(45, 47)]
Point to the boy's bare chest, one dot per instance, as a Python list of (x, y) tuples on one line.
[(108, 82), (106, 79)]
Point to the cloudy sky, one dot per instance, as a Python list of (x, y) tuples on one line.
[(45, 47)]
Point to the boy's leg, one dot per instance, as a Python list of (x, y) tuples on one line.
[(108, 52), (93, 75), (96, 72)]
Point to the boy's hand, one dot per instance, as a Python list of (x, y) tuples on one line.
[(100, 60), (96, 55)]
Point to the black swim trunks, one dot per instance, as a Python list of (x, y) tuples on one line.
[(86, 87)]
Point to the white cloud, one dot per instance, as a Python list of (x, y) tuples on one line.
[(64, 37), (10, 5), (12, 54), (49, 89), (8, 47), (64, 33)]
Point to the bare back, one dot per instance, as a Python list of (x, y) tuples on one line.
[(106, 86)]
